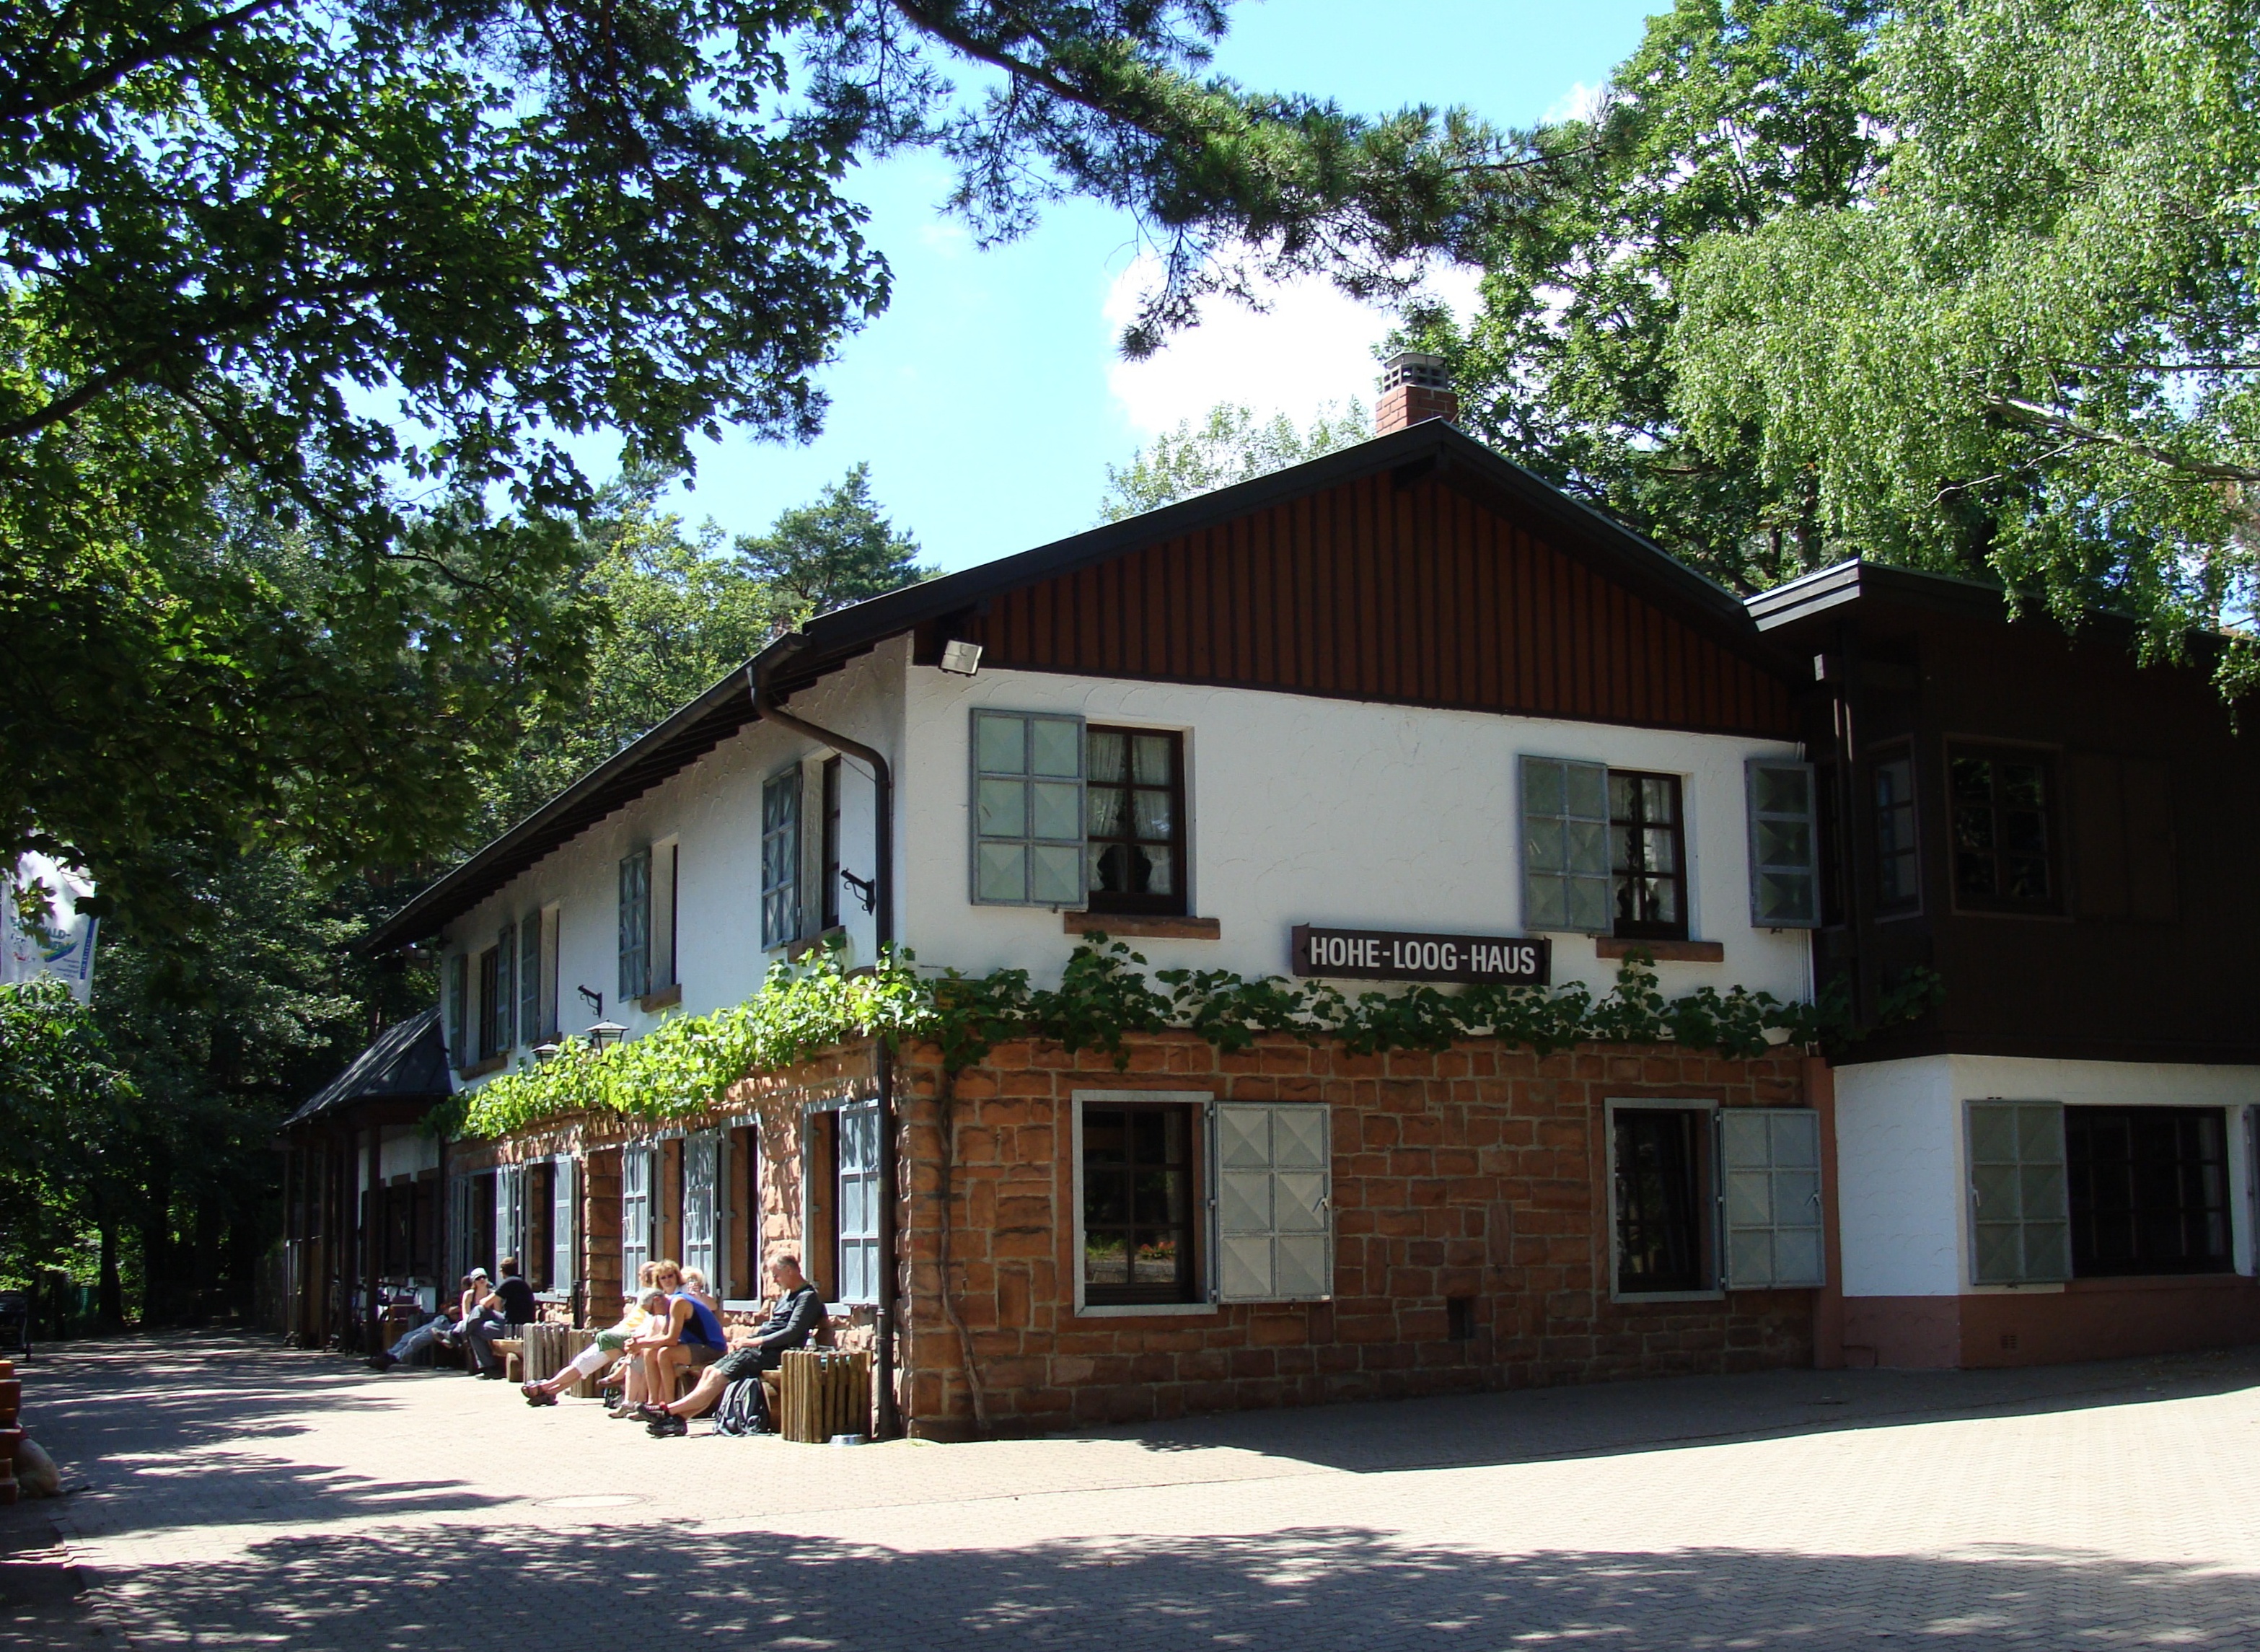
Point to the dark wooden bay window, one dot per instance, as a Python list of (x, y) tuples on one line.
[(2003, 804)]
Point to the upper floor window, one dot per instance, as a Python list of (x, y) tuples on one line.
[(459, 1010), (781, 858), (1136, 824), (1648, 880), (829, 906), (2004, 836), (1784, 844), (1898, 887)]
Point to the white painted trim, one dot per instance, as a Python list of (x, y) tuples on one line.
[(1610, 1107), (1204, 1265)]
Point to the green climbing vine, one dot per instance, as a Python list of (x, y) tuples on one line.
[(685, 1064)]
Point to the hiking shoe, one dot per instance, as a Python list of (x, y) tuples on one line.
[(666, 1427), (381, 1362)]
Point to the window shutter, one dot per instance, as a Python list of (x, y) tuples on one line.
[(857, 1144), (698, 1166), (2020, 1217), (1275, 1203), (530, 1029), (1769, 1184), (635, 925), (1565, 845), (1027, 810), (564, 1228), (635, 1214), (781, 858), (1784, 845), (459, 997), (505, 1010)]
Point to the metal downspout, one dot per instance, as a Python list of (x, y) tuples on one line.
[(883, 835)]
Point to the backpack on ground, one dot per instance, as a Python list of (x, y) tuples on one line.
[(744, 1409)]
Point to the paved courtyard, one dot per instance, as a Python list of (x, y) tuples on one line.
[(236, 1496)]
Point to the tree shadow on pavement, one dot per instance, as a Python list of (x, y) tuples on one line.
[(417, 1588), (1668, 1412)]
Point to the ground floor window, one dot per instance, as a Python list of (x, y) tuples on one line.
[(2148, 1190), (1663, 1225), (1138, 1191)]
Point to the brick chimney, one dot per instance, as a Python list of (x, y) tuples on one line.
[(1413, 388)]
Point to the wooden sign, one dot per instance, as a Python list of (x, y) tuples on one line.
[(1397, 955)]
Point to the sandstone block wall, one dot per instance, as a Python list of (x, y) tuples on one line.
[(1480, 1173)]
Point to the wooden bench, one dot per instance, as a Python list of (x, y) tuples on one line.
[(512, 1349)]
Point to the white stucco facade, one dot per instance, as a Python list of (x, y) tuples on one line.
[(1301, 810), (1902, 1153)]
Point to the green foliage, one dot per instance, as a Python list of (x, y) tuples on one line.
[(686, 1063), (2033, 347), (838, 550), (1231, 444), (302, 306), (1730, 112), (66, 1104)]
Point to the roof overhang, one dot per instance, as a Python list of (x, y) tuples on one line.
[(1432, 449)]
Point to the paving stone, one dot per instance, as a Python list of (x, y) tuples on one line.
[(240, 1496)]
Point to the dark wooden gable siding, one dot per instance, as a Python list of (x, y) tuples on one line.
[(1416, 594)]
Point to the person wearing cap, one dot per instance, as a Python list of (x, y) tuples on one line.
[(502, 1310), (442, 1327)]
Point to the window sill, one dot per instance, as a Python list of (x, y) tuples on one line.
[(1136, 925), (2218, 1279), (1143, 1309), (796, 950), (1634, 1299), (1663, 951), (480, 1069), (665, 998)]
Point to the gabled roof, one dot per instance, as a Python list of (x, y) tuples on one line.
[(408, 1061), (1433, 448)]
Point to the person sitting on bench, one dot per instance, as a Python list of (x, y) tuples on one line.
[(795, 1318), (509, 1306), (442, 1328), (600, 1354), (688, 1336)]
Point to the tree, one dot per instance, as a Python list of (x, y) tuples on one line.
[(67, 1110), (836, 551), (2030, 348), (1230, 445), (680, 610), (347, 277), (1730, 112)]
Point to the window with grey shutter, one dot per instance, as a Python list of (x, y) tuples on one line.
[(1565, 845), (1769, 1177), (635, 925), (459, 1007), (564, 1226), (1784, 845), (2020, 1217), (510, 1215), (636, 1172), (1274, 1206), (1028, 809), (530, 1030), (781, 858), (463, 1224)]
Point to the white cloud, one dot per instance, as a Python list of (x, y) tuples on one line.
[(1312, 345), (1578, 103)]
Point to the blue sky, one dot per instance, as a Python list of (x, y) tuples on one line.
[(990, 398)]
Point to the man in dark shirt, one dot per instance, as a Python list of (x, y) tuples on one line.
[(513, 1301), (795, 1316)]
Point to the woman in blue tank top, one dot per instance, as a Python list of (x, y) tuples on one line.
[(689, 1338)]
